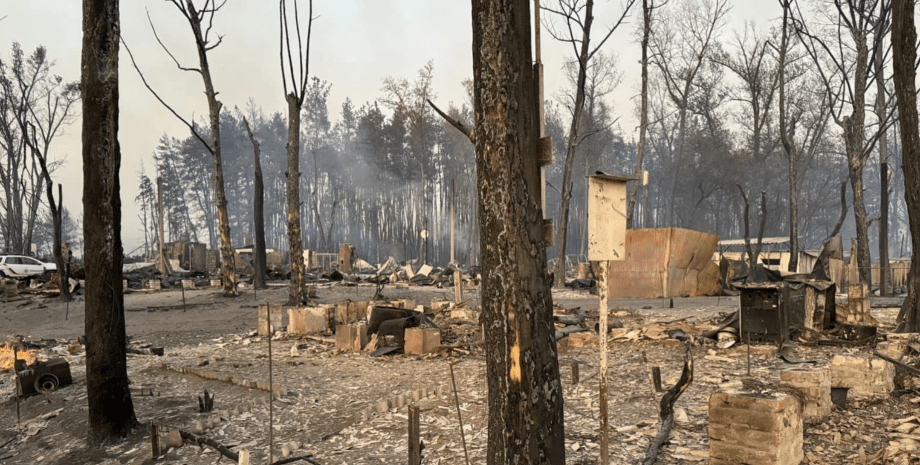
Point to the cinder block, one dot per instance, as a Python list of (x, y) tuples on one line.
[(351, 337), (815, 383), (858, 291), (188, 284), (865, 376), (308, 320), (154, 284), (269, 314), (215, 283), (755, 428), (422, 340), (583, 339)]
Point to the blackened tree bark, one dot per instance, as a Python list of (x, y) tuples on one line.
[(111, 411), (881, 111), (295, 98), (258, 213), (903, 40), (525, 397)]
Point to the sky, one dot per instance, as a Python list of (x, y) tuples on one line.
[(355, 45)]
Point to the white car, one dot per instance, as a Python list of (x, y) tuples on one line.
[(20, 266)]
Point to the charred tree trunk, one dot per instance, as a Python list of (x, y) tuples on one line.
[(298, 291), (228, 257), (111, 411), (903, 40), (571, 146), (57, 214), (525, 397), (643, 116), (787, 137), (854, 127), (880, 107), (258, 213)]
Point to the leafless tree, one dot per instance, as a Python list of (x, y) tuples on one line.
[(841, 57), (299, 76), (648, 10), (31, 99), (579, 18), (111, 410), (201, 21), (681, 48)]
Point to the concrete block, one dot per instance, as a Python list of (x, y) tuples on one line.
[(215, 283), (188, 284), (351, 337), (583, 339), (866, 376), (422, 340), (858, 291), (154, 284), (407, 304), (269, 314), (755, 428), (815, 383), (308, 320), (348, 312)]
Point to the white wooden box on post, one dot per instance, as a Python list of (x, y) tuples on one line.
[(607, 217), (606, 241)]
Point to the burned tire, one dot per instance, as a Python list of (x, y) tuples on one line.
[(46, 383)]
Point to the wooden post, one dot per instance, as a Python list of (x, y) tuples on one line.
[(574, 372), (415, 449), (602, 345), (162, 262), (244, 458), (155, 440), (271, 390)]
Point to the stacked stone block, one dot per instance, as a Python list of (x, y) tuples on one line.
[(755, 428), (858, 309), (866, 376), (269, 315), (815, 383)]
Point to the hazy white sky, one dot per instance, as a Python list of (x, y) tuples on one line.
[(356, 43)]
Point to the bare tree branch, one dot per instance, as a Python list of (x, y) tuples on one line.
[(457, 124), (163, 102)]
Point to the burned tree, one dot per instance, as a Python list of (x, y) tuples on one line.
[(200, 22), (903, 41), (57, 211), (258, 213), (111, 411), (648, 9), (295, 98), (525, 396), (845, 74), (571, 11)]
